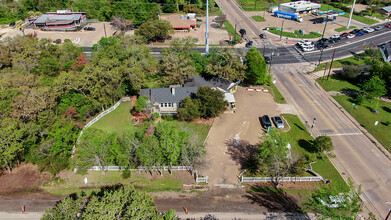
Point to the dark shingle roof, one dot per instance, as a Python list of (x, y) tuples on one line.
[(164, 95)]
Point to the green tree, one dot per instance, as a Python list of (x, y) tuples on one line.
[(155, 30), (111, 203), (256, 71), (11, 142), (189, 109), (47, 66), (176, 67), (323, 143), (275, 157), (375, 87), (319, 202), (94, 149), (141, 103), (226, 63), (211, 101)]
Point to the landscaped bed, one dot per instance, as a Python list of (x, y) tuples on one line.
[(294, 34)]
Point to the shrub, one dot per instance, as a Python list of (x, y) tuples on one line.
[(155, 115), (359, 99), (141, 103), (168, 117)]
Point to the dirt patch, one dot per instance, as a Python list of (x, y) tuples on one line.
[(24, 178), (204, 121)]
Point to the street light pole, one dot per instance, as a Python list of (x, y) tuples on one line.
[(282, 27), (207, 28), (351, 14)]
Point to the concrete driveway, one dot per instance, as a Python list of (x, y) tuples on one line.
[(224, 154)]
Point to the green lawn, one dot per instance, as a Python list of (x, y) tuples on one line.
[(198, 132), (301, 142), (340, 63), (294, 34), (231, 30), (344, 28), (96, 180), (276, 94), (365, 20), (258, 18), (335, 83), (119, 120), (363, 114)]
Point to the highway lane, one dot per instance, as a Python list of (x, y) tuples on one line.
[(356, 156)]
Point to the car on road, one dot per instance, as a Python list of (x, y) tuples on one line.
[(360, 33), (355, 31), (304, 43), (335, 36), (321, 45), (278, 122), (308, 48), (350, 36), (267, 59), (249, 44), (12, 24), (89, 28), (344, 34), (368, 29), (323, 40), (266, 123), (334, 40), (262, 35), (378, 28), (388, 25)]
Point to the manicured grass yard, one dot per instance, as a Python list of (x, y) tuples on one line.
[(336, 84), (363, 114), (301, 142), (340, 63), (198, 132), (96, 180), (294, 34), (276, 94), (345, 29), (119, 120), (249, 5), (258, 18)]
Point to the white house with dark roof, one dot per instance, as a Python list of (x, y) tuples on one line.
[(166, 100)]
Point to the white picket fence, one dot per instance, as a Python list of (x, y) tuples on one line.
[(156, 168), (107, 111), (284, 179)]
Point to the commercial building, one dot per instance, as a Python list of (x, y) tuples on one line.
[(61, 20), (299, 7)]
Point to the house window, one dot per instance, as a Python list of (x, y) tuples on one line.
[(165, 104), (161, 104), (169, 104)]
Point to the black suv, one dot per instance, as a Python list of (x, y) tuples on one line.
[(266, 123), (249, 44)]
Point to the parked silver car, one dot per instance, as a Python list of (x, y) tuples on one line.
[(278, 122)]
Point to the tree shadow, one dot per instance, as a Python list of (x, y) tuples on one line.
[(307, 145), (275, 200), (299, 127), (241, 151), (385, 108)]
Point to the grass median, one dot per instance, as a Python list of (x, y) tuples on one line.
[(294, 34), (344, 28), (258, 18)]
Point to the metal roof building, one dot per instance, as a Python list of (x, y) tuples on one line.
[(299, 7), (60, 20)]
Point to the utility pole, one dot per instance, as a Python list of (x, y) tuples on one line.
[(282, 27), (235, 29), (320, 58), (271, 60), (351, 14), (207, 28), (325, 25), (331, 65)]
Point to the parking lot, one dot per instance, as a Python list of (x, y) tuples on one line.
[(232, 134)]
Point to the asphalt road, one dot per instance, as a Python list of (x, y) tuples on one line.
[(356, 156)]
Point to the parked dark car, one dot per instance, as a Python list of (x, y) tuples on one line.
[(344, 34), (89, 28), (262, 35), (360, 33), (266, 123), (249, 44), (355, 31), (323, 40), (12, 24), (321, 45), (267, 59), (242, 32)]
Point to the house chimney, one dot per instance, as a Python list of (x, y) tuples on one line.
[(173, 90)]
